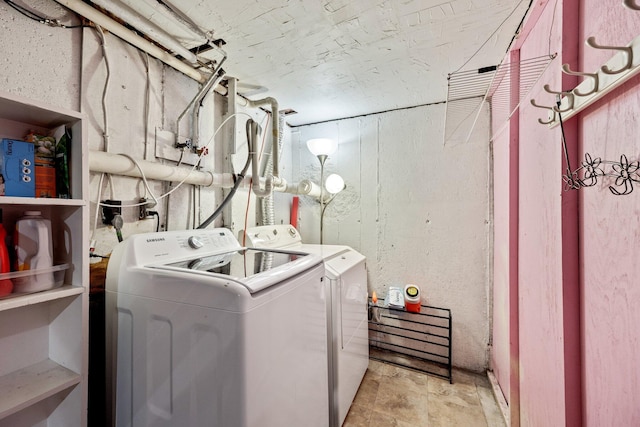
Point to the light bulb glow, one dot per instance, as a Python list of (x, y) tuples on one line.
[(322, 146), (334, 183)]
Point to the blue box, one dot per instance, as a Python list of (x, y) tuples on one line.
[(17, 169)]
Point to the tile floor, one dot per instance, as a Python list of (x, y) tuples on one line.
[(392, 396)]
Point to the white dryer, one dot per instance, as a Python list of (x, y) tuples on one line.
[(348, 355), (198, 334)]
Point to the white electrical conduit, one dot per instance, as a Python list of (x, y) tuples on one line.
[(127, 35), (118, 164), (213, 81), (154, 32)]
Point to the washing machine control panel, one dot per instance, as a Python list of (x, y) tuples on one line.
[(176, 245), (195, 242)]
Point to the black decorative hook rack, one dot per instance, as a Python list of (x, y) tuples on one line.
[(592, 170)]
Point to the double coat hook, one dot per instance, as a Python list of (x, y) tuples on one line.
[(631, 4), (594, 76), (591, 41)]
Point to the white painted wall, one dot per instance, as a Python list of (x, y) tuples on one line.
[(66, 68), (126, 104), (40, 62), (418, 210)]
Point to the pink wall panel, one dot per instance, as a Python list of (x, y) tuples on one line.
[(579, 338), (611, 271), (540, 278), (500, 359), (540, 269)]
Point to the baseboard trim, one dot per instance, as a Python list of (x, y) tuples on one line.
[(497, 393)]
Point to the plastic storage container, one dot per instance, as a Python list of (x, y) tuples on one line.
[(6, 285), (412, 298), (34, 252)]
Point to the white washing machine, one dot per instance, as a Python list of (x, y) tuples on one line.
[(348, 355), (199, 335)]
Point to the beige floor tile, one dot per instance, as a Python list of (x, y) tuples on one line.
[(376, 368), (402, 403), (358, 416), (368, 390), (392, 396), (459, 393), (380, 419), (412, 380), (443, 413), (490, 407)]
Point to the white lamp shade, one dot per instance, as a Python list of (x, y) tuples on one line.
[(322, 146), (334, 183)]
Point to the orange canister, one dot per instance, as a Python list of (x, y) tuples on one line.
[(412, 298)]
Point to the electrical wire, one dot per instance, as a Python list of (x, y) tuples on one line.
[(238, 179), (105, 135), (41, 19), (553, 20), (490, 36), (156, 198)]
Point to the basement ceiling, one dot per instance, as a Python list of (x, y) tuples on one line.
[(332, 59)]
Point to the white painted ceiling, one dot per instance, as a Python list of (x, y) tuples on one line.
[(330, 59)]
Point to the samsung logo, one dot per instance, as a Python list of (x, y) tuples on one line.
[(156, 239)]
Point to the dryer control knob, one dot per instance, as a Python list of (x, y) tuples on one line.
[(194, 242)]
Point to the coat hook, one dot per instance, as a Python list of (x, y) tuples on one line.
[(631, 4), (594, 76), (542, 122), (569, 96), (591, 41)]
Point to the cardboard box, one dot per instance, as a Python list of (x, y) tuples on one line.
[(17, 168), (45, 164), (62, 134)]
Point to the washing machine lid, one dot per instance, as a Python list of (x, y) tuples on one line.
[(255, 269)]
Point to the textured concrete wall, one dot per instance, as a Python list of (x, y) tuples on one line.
[(417, 209), (41, 62), (129, 108), (66, 68)]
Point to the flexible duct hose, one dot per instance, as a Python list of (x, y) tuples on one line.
[(267, 204)]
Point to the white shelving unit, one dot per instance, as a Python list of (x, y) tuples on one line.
[(44, 335)]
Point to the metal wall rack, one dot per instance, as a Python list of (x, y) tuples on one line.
[(420, 341)]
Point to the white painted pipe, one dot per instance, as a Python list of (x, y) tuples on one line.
[(153, 31), (169, 11), (309, 188), (275, 127), (127, 35), (256, 187), (117, 164)]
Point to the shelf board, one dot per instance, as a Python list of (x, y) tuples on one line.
[(32, 201), (36, 113), (27, 386), (38, 297)]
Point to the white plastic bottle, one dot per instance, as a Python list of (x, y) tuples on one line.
[(34, 251)]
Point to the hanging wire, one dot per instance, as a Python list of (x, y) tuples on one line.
[(493, 33), (41, 19)]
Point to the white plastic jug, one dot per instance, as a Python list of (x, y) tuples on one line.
[(34, 251)]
